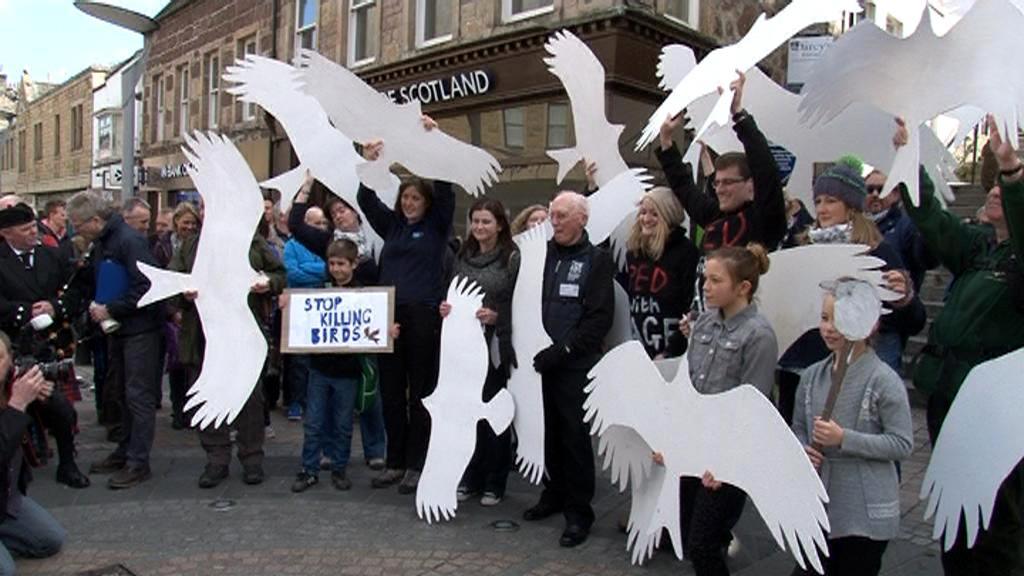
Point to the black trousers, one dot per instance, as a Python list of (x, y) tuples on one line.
[(851, 556), (136, 358), (408, 375), (708, 517), (1000, 548), (568, 454), (492, 459), (59, 417)]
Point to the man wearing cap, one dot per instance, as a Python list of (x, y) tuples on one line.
[(34, 288), (136, 333)]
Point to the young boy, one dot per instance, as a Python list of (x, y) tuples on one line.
[(333, 382)]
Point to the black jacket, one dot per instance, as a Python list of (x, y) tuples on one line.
[(123, 245), (316, 241), (763, 220), (47, 280), (13, 425), (578, 300)]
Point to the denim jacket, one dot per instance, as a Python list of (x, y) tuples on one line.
[(724, 354)]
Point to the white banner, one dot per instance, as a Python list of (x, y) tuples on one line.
[(338, 320)]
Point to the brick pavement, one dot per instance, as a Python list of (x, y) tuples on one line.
[(168, 526)]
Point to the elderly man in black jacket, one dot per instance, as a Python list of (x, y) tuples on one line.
[(33, 287), (578, 304), (136, 343), (25, 527)]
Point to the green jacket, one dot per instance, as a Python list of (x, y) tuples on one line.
[(261, 257), (984, 312)]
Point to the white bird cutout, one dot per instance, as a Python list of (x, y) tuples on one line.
[(789, 294), (629, 399), (963, 63), (364, 114), (235, 345), (528, 338), (327, 153), (981, 441), (455, 406), (719, 67)]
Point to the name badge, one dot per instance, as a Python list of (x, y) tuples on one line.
[(569, 290)]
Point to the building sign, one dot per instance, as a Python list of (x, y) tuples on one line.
[(454, 87), (110, 177), (338, 320), (168, 171), (804, 53)]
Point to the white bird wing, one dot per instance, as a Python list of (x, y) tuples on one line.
[(981, 441), (622, 324), (762, 457), (363, 114), (789, 294), (583, 77), (719, 67), (455, 404), (613, 200), (674, 63), (618, 240), (528, 338), (235, 345)]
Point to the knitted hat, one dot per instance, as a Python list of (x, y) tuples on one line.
[(667, 205), (16, 215), (842, 181)]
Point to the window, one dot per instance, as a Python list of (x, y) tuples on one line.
[(558, 125), (433, 22), (158, 108), (21, 151), (512, 10), (682, 11), (77, 128), (105, 134), (515, 130), (248, 46), (37, 141), (56, 135), (182, 124), (212, 91), (360, 37), (305, 24)]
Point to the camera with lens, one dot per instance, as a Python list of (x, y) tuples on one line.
[(35, 348)]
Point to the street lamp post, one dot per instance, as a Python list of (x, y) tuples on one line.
[(142, 24)]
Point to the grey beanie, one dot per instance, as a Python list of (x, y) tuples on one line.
[(844, 182)]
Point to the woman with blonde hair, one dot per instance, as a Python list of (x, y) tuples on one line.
[(528, 217), (661, 268)]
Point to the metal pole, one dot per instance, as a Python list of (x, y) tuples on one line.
[(129, 79)]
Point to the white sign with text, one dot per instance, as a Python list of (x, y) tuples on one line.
[(338, 320)]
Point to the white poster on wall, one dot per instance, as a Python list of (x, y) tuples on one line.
[(804, 53), (338, 320)]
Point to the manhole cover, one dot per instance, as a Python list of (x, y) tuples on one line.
[(504, 526), (115, 570), (222, 505)]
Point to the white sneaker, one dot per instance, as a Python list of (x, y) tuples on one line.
[(490, 499)]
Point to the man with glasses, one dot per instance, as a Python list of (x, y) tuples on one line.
[(897, 227)]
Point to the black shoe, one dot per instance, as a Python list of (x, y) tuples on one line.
[(541, 511), (573, 536), (70, 474), (340, 480), (115, 434), (128, 477), (108, 465), (212, 476), (387, 478), (252, 474), (409, 482), (304, 481)]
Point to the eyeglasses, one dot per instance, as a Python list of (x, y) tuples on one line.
[(728, 182), (874, 189)]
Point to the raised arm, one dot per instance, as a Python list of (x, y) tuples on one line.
[(702, 208)]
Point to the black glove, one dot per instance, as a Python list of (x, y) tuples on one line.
[(549, 358)]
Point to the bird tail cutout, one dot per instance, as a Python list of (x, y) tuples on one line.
[(653, 511), (287, 184), (163, 284), (499, 411), (674, 64), (567, 158)]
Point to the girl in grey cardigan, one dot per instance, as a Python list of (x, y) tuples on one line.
[(857, 449)]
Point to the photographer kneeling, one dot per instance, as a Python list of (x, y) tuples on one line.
[(26, 528)]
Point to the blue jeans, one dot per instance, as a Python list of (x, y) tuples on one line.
[(296, 379), (327, 422), (889, 347), (371, 428), (33, 534)]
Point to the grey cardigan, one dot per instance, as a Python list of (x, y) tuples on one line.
[(859, 475), (724, 354)]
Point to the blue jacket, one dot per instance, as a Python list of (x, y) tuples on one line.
[(901, 234), (305, 269)]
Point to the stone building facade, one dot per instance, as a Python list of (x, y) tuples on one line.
[(48, 147), (475, 65)]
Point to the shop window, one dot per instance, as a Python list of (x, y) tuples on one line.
[(248, 46), (361, 35), (56, 135), (212, 90), (433, 22), (305, 24), (558, 125), (515, 127), (182, 124), (682, 11), (513, 10)]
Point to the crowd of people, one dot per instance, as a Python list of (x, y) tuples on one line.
[(74, 269)]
